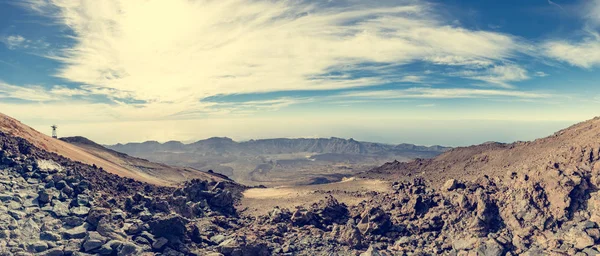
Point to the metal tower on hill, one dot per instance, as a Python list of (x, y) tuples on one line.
[(54, 127)]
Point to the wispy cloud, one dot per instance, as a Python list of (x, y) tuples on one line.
[(593, 12), (13, 41), (585, 54), (500, 75), (437, 93), (555, 4), (28, 92), (585, 51), (181, 51)]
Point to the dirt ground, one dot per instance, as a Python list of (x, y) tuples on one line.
[(259, 201)]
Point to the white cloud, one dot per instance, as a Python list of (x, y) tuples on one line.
[(500, 75), (65, 91), (585, 54), (13, 41), (541, 74), (177, 52), (438, 93), (451, 60), (28, 92), (593, 12), (413, 79)]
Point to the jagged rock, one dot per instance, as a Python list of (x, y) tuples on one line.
[(50, 236), (278, 215), (96, 214), (110, 247), (60, 209), (141, 240), (202, 228), (578, 238), (348, 235), (93, 241), (72, 221), (44, 196), (491, 248), (159, 243), (111, 228), (39, 246), (170, 252), (7, 222), (82, 200), (127, 249), (218, 239), (80, 211), (330, 211), (76, 232), (60, 184), (223, 199), (72, 246), (450, 185), (371, 252), (302, 217), (54, 252), (238, 246), (18, 215), (135, 228), (464, 243), (374, 220), (161, 206), (168, 226)]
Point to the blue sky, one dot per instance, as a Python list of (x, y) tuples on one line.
[(425, 72)]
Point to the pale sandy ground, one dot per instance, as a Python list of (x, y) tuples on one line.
[(259, 201)]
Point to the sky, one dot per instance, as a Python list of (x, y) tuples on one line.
[(426, 72)]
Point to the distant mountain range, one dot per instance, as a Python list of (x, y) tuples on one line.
[(227, 146), (277, 162)]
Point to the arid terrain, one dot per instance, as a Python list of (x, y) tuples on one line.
[(527, 198), (279, 162), (88, 152)]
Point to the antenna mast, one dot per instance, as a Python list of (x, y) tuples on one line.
[(54, 127)]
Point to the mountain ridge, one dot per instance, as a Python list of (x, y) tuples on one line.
[(316, 145)]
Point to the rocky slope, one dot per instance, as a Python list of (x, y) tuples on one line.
[(168, 174), (93, 154), (577, 147)]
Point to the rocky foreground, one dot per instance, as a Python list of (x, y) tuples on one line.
[(53, 206)]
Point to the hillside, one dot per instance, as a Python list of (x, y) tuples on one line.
[(570, 149), (85, 151)]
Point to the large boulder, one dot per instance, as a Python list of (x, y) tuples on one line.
[(170, 226), (374, 221), (239, 246), (331, 211), (93, 241)]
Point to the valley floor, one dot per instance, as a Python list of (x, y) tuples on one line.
[(260, 201)]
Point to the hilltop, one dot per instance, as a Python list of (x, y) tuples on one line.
[(85, 151)]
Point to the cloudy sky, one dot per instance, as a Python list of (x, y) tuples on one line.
[(426, 72)]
